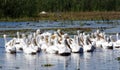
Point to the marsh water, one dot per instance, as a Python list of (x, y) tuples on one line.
[(100, 59)]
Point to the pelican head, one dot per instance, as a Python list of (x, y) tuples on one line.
[(78, 32), (98, 31), (18, 34), (4, 35), (117, 34), (66, 35), (84, 33), (58, 30), (55, 33), (38, 31), (23, 35)]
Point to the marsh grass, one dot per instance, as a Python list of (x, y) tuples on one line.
[(105, 16)]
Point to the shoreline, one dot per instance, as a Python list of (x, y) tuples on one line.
[(111, 15)]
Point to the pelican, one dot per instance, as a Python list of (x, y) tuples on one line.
[(110, 42), (34, 43), (9, 46), (117, 42), (18, 43), (87, 46), (52, 46), (44, 43), (38, 31), (64, 48), (74, 45), (28, 47), (60, 33)]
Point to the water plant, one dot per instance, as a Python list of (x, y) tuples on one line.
[(118, 58), (47, 65)]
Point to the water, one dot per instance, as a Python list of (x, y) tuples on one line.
[(98, 60)]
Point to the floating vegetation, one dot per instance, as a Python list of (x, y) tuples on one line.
[(47, 65), (118, 58)]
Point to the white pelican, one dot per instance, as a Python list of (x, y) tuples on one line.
[(9, 46), (34, 43), (52, 46), (60, 33), (18, 43), (64, 48), (44, 43), (87, 46), (117, 42), (74, 45), (28, 47)]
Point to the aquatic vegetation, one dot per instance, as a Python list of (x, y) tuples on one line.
[(118, 58), (47, 65), (104, 16)]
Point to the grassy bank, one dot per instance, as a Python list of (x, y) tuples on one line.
[(69, 16)]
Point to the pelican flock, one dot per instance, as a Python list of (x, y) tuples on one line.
[(60, 43)]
